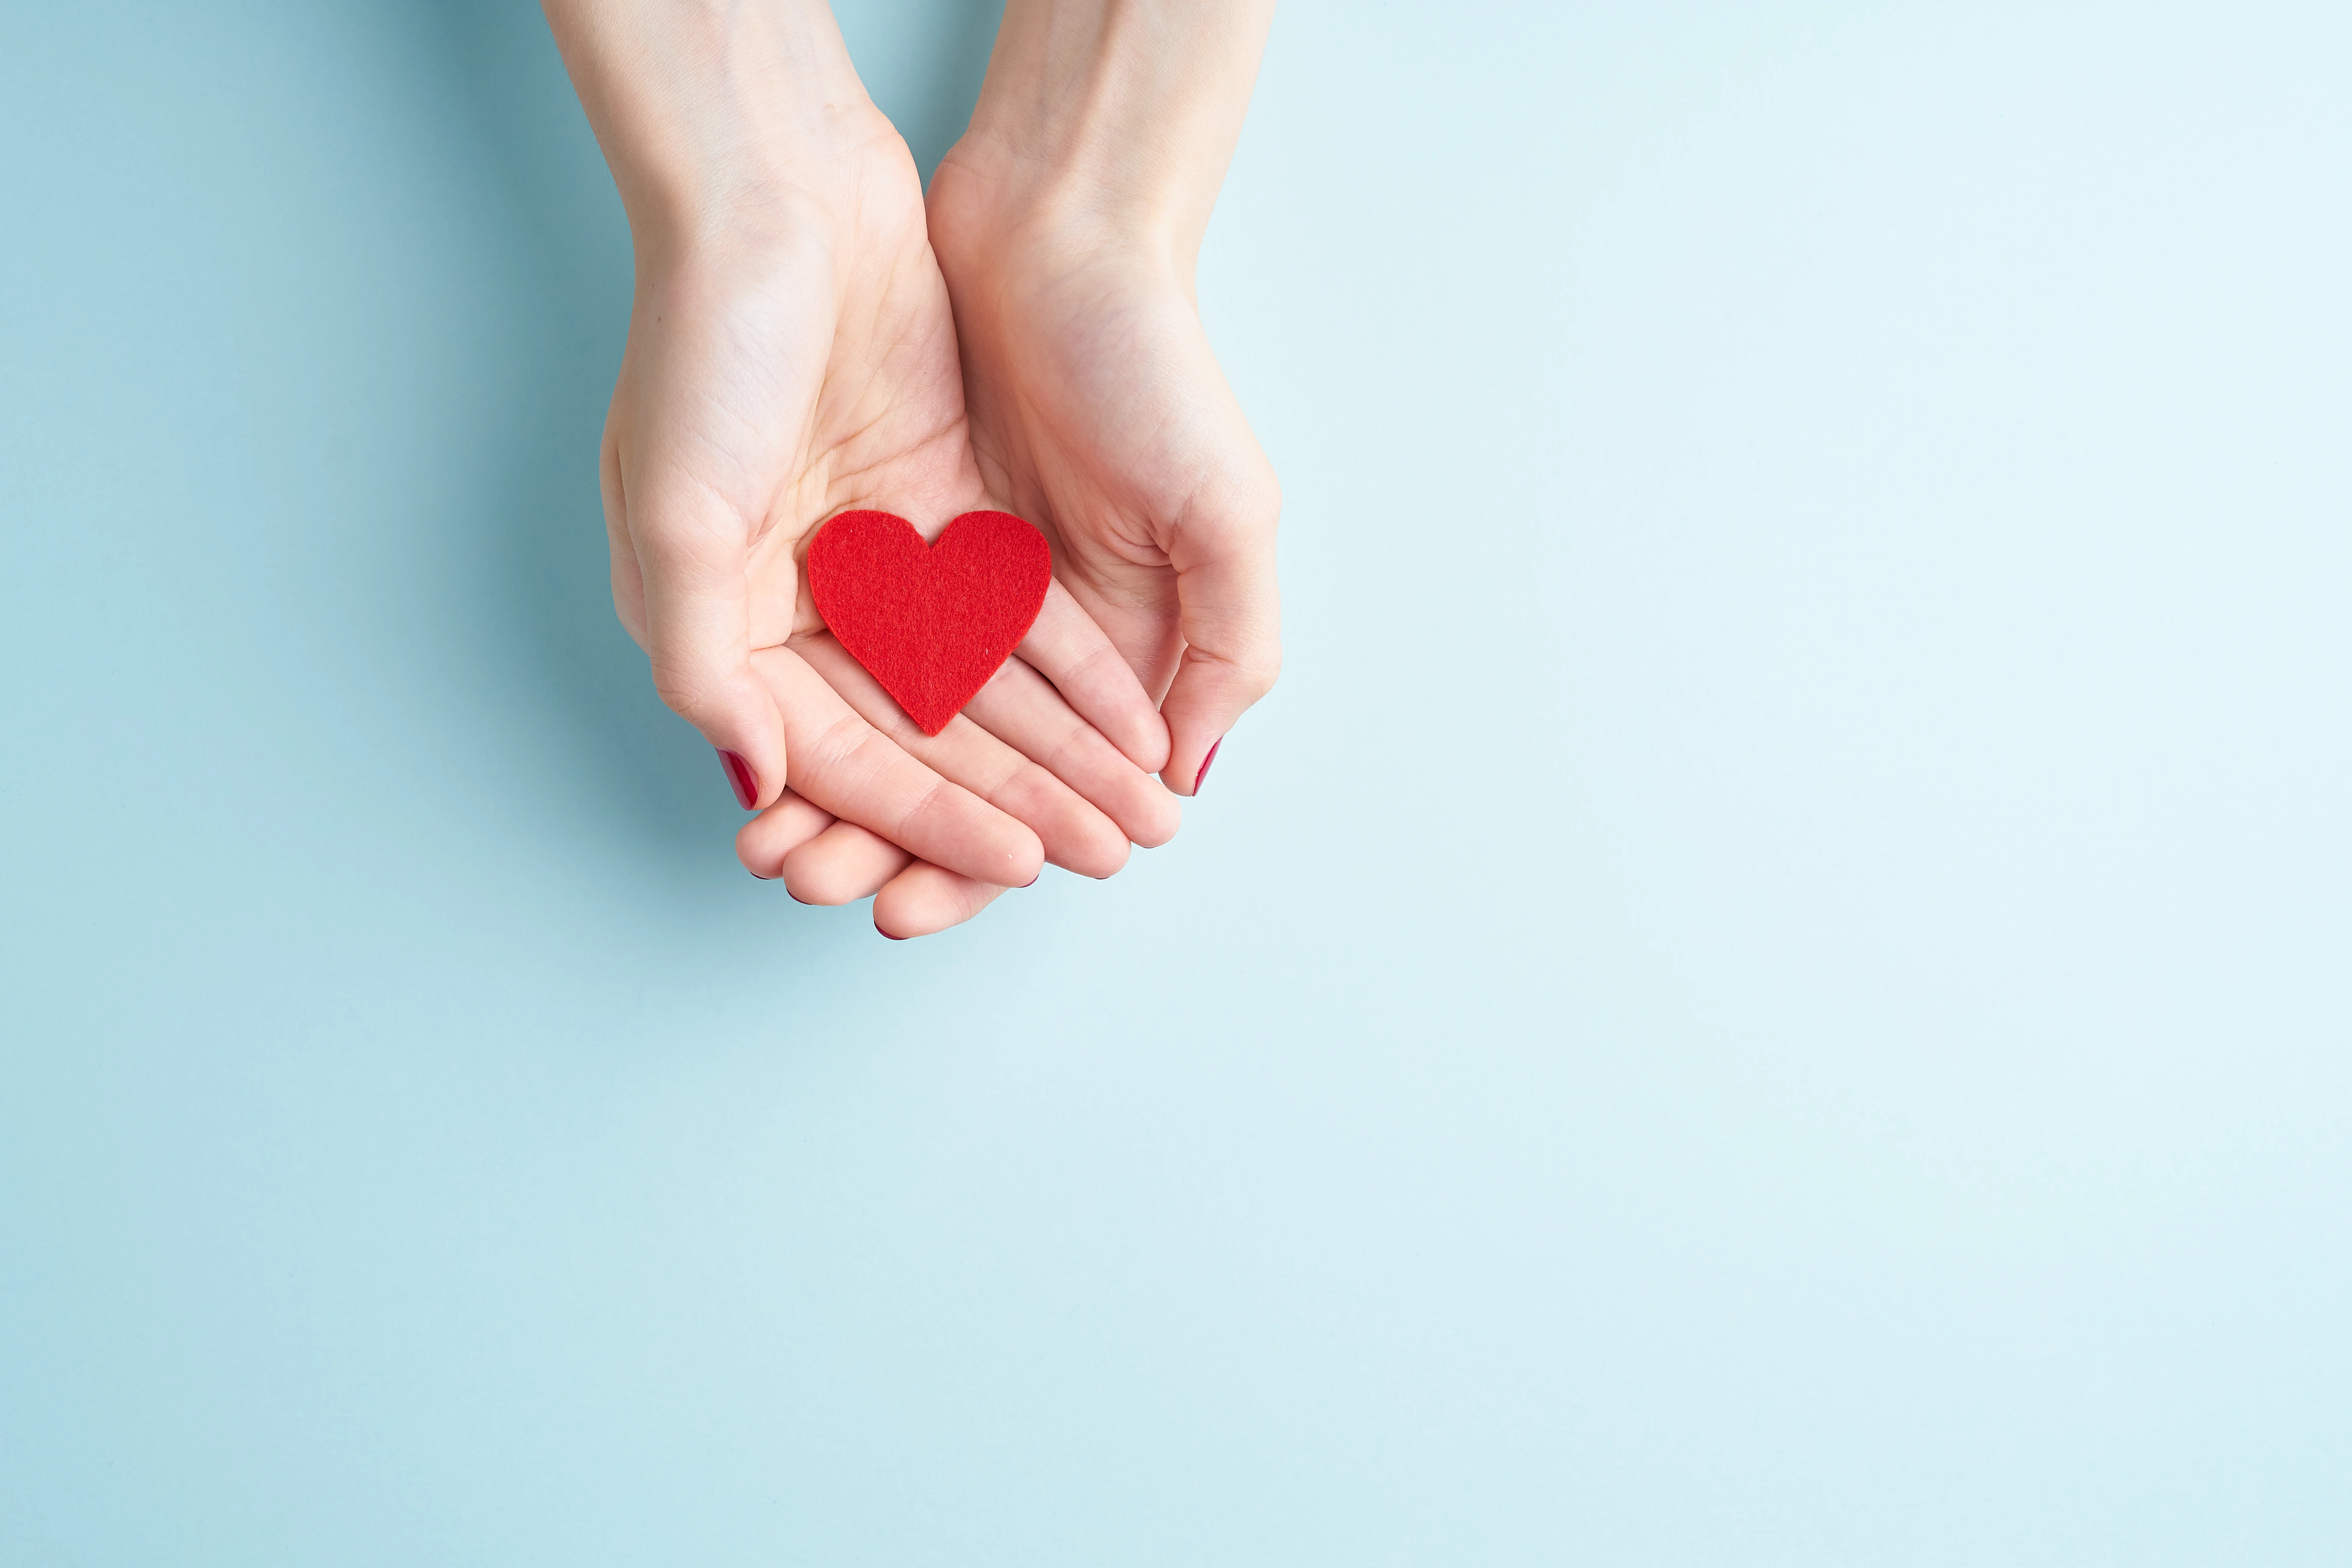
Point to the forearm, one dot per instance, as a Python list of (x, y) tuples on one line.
[(1120, 113), (708, 112)]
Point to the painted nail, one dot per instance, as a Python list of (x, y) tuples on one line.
[(1204, 765), (739, 775), (888, 937), (1032, 881)]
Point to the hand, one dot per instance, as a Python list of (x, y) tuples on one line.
[(1067, 222), (791, 355)]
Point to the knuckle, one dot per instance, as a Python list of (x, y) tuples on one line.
[(1253, 666), (1244, 510), (687, 691), (813, 887), (839, 744), (933, 796), (1261, 666)]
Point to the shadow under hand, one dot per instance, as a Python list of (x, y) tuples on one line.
[(556, 234)]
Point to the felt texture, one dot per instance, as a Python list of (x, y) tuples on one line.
[(931, 622)]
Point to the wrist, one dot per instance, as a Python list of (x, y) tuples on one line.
[(1110, 124), (716, 119), (993, 201)]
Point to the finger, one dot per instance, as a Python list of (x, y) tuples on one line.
[(688, 548), (776, 832), (843, 864), (1231, 618), (1075, 834), (1020, 708), (923, 898), (844, 765), (1069, 649)]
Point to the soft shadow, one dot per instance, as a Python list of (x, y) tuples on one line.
[(556, 230)]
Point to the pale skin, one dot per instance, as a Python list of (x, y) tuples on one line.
[(793, 355), (1068, 222)]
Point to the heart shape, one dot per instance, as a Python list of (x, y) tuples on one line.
[(933, 621)]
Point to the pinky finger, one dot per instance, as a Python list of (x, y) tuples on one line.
[(924, 898), (767, 839), (842, 865)]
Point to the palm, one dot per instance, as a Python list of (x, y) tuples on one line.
[(792, 380), (1073, 427), (802, 368), (1096, 407)]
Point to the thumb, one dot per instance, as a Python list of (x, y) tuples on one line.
[(1230, 613), (698, 619)]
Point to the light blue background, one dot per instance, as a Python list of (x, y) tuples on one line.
[(1773, 985)]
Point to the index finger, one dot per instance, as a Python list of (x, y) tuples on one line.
[(1069, 649)]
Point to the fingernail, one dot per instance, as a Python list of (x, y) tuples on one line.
[(888, 937), (739, 774), (1204, 765), (1032, 881)]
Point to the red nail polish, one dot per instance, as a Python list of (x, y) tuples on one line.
[(739, 774), (1204, 765), (888, 937)]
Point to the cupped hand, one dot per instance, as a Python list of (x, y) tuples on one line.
[(791, 358), (1097, 409)]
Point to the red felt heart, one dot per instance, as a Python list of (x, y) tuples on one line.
[(931, 622)]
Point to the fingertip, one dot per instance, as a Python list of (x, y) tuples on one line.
[(842, 865), (1159, 820), (762, 843), (1201, 777), (1208, 696), (764, 764), (1099, 855), (1146, 740), (1007, 852), (1025, 862), (1070, 648), (925, 898), (1121, 710), (740, 777), (1073, 833), (739, 717), (1189, 768)]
